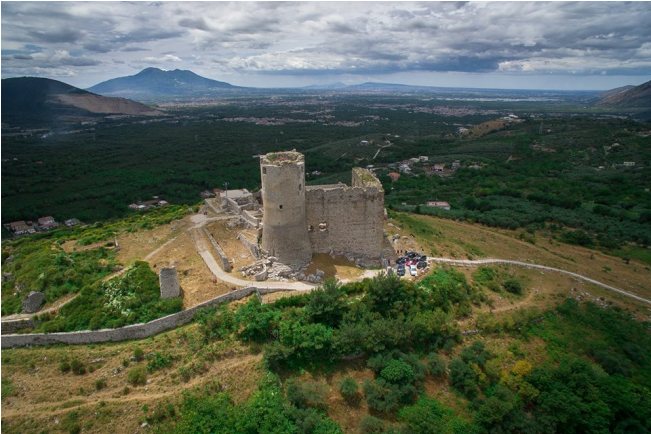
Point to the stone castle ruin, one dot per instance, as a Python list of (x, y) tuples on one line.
[(300, 220), (168, 280)]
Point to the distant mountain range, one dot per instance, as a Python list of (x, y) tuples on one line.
[(38, 101), (154, 83), (627, 96)]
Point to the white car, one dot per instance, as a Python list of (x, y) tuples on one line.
[(413, 270)]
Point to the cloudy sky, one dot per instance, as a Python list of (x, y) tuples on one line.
[(558, 45)]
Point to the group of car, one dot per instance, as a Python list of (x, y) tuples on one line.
[(411, 262)]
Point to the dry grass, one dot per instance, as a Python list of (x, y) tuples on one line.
[(45, 395), (337, 266)]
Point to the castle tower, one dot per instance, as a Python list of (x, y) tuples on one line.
[(284, 225)]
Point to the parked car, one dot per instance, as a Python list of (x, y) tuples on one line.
[(400, 271), (421, 264), (423, 258), (412, 270), (401, 260)]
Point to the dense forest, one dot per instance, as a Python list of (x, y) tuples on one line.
[(561, 169)]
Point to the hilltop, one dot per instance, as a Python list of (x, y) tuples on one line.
[(155, 83), (627, 96), (36, 101)]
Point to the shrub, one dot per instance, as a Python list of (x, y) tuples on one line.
[(513, 285), (158, 361), (216, 323), (137, 376), (463, 378), (371, 425), (100, 384), (77, 367), (306, 394), (349, 390), (64, 366), (429, 416), (138, 354), (436, 365)]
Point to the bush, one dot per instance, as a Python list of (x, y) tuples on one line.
[(371, 425), (436, 365), (513, 285), (77, 367), (349, 390), (429, 416), (463, 378), (306, 394), (100, 384), (158, 361), (137, 376), (138, 354), (216, 323), (64, 366)]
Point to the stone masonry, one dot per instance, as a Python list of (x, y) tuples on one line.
[(169, 283), (300, 220), (33, 302)]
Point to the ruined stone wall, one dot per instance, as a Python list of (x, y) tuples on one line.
[(136, 331), (223, 259), (168, 280), (346, 220), (284, 232)]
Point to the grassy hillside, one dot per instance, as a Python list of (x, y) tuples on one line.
[(462, 350)]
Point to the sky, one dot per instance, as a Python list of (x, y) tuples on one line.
[(539, 45)]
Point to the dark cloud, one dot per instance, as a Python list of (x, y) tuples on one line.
[(54, 35), (331, 37), (194, 23)]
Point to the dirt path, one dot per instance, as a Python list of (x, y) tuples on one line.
[(468, 262), (54, 308)]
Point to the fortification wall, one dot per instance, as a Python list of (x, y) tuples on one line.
[(345, 220), (12, 326), (136, 331), (284, 232), (168, 280), (252, 246), (223, 259)]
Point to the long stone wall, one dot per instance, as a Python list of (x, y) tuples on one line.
[(135, 331), (345, 219), (225, 263)]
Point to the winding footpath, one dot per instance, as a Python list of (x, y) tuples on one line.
[(473, 263), (205, 250)]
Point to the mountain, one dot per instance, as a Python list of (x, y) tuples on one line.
[(627, 96), (34, 100), (154, 83)]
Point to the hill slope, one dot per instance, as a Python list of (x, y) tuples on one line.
[(33, 100), (627, 96), (156, 83)]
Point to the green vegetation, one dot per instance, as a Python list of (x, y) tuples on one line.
[(548, 182), (212, 411), (130, 298), (596, 376), (137, 376), (349, 390), (39, 262)]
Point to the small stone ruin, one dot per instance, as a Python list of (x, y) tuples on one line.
[(169, 283), (33, 302)]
